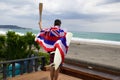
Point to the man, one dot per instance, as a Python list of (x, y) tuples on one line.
[(50, 39)]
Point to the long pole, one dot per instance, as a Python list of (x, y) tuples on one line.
[(40, 12)]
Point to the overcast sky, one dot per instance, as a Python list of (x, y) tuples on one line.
[(76, 15)]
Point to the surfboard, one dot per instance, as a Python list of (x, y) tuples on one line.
[(57, 57)]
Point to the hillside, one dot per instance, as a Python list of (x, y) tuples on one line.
[(11, 27)]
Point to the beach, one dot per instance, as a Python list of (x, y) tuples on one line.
[(98, 53)]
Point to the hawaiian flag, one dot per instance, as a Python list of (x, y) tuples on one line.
[(53, 38)]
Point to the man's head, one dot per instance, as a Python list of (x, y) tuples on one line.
[(57, 22)]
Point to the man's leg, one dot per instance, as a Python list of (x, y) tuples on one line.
[(56, 73), (52, 72)]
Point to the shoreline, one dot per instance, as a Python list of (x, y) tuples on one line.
[(93, 42)]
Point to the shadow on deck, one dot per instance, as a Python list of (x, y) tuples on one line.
[(42, 75)]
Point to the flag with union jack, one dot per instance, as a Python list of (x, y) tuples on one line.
[(53, 38)]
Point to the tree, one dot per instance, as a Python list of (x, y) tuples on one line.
[(30, 39), (2, 46), (14, 46), (11, 45)]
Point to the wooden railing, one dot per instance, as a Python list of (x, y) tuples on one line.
[(26, 65)]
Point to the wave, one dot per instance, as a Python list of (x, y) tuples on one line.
[(95, 41), (4, 31)]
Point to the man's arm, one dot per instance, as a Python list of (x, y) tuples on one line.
[(40, 25)]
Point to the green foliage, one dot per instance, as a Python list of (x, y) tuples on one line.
[(37, 46), (29, 39), (14, 46), (46, 55), (2, 45)]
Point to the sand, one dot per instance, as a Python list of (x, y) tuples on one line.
[(92, 52), (105, 54)]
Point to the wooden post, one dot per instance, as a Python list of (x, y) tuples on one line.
[(43, 63), (4, 72), (13, 69), (21, 67), (36, 64), (28, 66)]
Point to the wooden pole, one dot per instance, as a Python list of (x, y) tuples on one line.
[(40, 12)]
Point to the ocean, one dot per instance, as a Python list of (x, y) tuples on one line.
[(94, 37)]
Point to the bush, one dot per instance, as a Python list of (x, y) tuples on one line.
[(14, 46), (2, 45), (46, 55)]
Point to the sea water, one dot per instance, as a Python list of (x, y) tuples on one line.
[(97, 37), (94, 37)]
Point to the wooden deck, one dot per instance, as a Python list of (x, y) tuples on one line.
[(42, 75)]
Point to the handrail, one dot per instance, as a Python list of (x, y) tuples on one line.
[(31, 65)]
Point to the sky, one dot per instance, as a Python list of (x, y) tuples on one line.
[(76, 15)]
